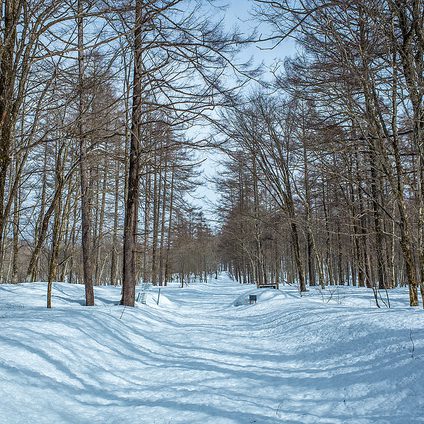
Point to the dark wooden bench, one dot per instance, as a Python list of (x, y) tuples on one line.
[(268, 286), (252, 298)]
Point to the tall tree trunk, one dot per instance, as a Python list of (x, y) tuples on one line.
[(146, 232), (11, 13), (16, 230), (157, 189), (114, 255), (170, 226), (101, 220), (131, 206), (163, 221), (87, 259)]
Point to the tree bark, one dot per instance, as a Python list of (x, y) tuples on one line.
[(131, 205)]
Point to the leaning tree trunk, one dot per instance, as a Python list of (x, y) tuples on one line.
[(56, 230)]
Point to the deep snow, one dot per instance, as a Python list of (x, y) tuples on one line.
[(205, 356)]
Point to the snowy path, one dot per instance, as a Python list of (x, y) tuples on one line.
[(197, 358)]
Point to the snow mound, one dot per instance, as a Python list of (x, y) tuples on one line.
[(262, 295), (152, 298)]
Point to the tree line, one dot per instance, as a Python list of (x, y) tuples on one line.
[(325, 176), (101, 105), (98, 101)]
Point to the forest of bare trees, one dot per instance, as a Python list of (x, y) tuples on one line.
[(324, 181), (103, 110), (97, 99)]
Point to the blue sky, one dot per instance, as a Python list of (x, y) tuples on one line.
[(238, 14)]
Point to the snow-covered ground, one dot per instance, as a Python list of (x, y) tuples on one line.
[(205, 356)]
